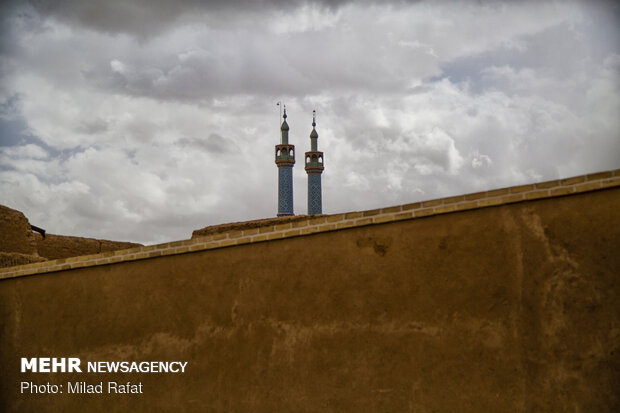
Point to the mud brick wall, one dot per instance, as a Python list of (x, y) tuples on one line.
[(15, 233), (11, 259), (20, 245), (502, 301), (61, 246)]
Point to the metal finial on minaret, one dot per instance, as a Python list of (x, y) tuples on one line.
[(314, 168), (285, 159)]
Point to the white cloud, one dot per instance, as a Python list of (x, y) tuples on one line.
[(24, 151), (308, 17), (117, 66), (148, 137), (480, 160)]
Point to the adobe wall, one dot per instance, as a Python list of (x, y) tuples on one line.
[(63, 246), (10, 259), (507, 308), (16, 233), (20, 245)]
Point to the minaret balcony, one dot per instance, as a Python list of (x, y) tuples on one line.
[(314, 161), (285, 154)]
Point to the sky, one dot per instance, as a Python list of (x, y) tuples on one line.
[(143, 120)]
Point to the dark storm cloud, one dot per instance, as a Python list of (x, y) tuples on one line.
[(150, 17), (147, 17), (239, 57)]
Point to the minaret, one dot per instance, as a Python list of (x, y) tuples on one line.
[(314, 168), (285, 159)]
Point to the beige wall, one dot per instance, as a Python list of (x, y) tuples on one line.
[(508, 308)]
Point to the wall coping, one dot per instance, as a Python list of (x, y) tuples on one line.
[(270, 229)]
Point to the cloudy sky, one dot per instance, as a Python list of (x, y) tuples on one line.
[(143, 120)]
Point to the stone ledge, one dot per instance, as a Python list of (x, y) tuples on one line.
[(236, 234)]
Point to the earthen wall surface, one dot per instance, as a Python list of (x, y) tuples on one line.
[(11, 259), (19, 245), (16, 235), (62, 246), (506, 307)]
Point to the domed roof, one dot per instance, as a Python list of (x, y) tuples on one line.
[(284, 126)]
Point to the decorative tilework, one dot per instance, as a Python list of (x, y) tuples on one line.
[(314, 194), (285, 190)]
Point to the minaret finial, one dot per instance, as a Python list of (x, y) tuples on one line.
[(313, 135), (284, 112)]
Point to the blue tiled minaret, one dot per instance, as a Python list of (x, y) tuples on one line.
[(285, 159), (314, 168)]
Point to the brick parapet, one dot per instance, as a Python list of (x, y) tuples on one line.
[(302, 226)]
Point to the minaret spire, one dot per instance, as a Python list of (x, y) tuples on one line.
[(314, 169), (284, 128), (285, 159)]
